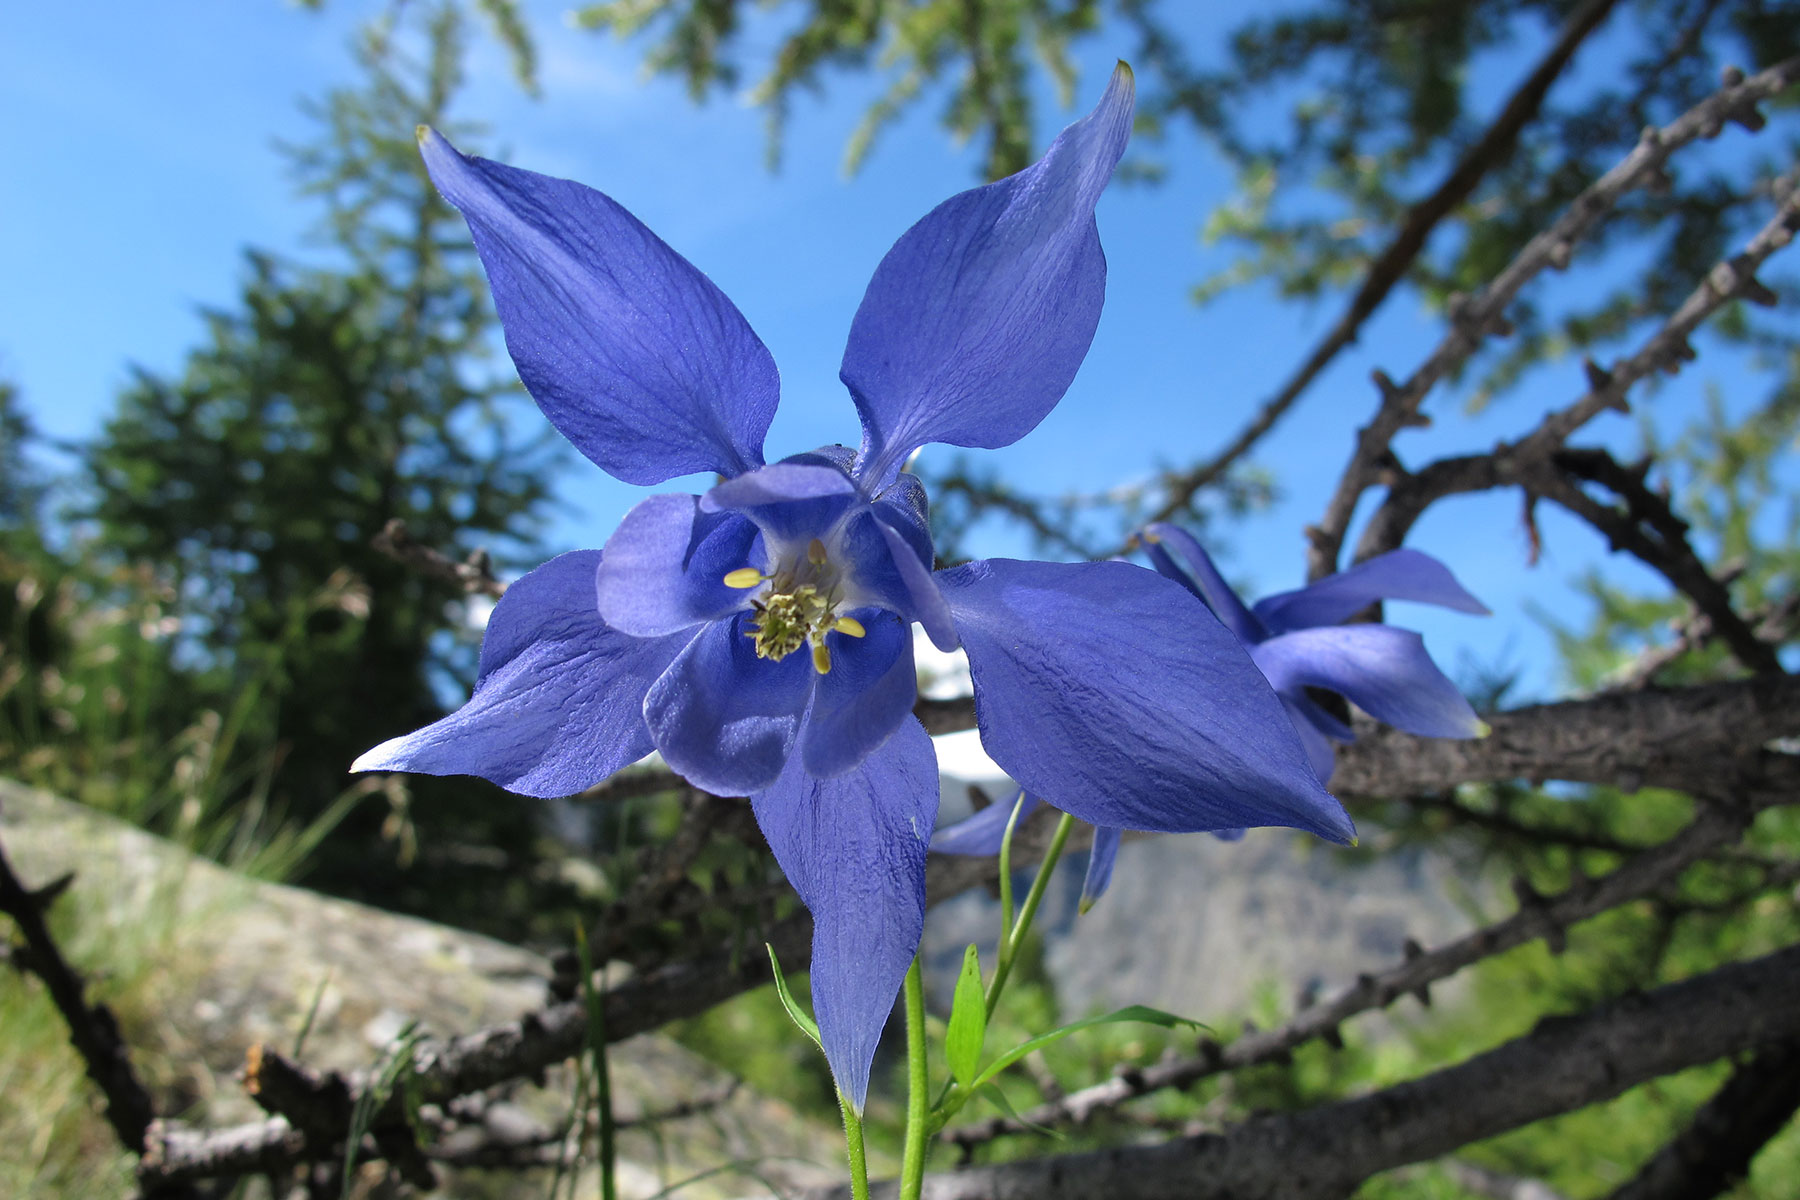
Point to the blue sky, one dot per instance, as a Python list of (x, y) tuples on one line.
[(140, 157)]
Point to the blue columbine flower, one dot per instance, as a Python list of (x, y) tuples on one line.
[(1296, 641), (759, 636)]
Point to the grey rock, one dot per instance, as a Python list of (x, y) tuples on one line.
[(1199, 927), (251, 957)]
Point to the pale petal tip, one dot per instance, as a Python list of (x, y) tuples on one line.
[(1483, 729), (1121, 89), (439, 155), (374, 759)]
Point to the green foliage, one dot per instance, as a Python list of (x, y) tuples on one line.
[(968, 1021), (324, 405), (92, 708), (1375, 102), (505, 21), (736, 1035), (987, 49), (22, 485)]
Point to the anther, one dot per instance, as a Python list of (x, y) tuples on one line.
[(849, 627), (821, 659), (815, 552), (744, 578)]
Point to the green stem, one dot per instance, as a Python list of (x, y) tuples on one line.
[(1006, 896), (912, 1157), (1015, 939), (853, 1139), (596, 1030)]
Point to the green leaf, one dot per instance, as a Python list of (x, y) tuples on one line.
[(807, 1025), (1134, 1012), (968, 1021), (992, 1092)]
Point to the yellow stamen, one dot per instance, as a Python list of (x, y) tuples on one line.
[(849, 627), (821, 659), (744, 577), (815, 552), (1151, 536)]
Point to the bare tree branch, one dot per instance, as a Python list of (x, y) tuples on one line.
[(475, 574), (1549, 917), (1565, 1063), (1650, 530), (1773, 622), (1529, 462), (1654, 736), (312, 1103), (1715, 1150), (93, 1030), (1484, 314), (1674, 737), (1390, 267)]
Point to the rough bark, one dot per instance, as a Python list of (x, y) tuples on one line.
[(1323, 1153)]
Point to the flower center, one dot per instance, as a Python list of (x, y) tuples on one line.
[(799, 607)]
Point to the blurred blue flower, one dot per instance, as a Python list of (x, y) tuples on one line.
[(1296, 642), (758, 636)]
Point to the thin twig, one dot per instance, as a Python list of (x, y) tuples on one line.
[(1773, 622), (1538, 917), (1390, 267), (1713, 1153), (1484, 314), (1565, 1063), (473, 575), (1527, 461), (1650, 530), (93, 1030)]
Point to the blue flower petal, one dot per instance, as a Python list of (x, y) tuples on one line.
[(1100, 865), (1314, 735), (559, 704), (906, 511), (866, 695), (1383, 670), (1105, 690), (854, 849), (665, 566), (792, 502), (1315, 714), (980, 835), (1175, 553), (976, 321), (632, 353), (927, 603), (1397, 575), (905, 507), (724, 719), (889, 550), (841, 457)]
